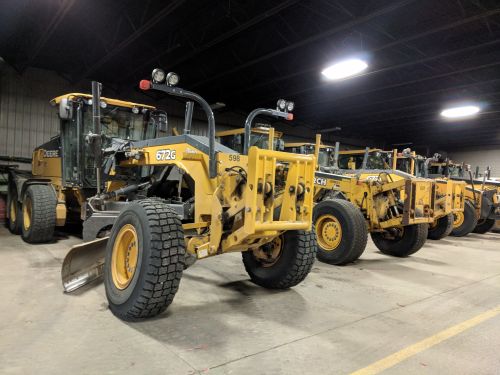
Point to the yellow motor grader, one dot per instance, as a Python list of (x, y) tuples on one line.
[(62, 173), (449, 196), (348, 205), (482, 197), (158, 204), (395, 207)]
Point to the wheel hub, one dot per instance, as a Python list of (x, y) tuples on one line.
[(458, 219), (13, 211), (329, 232), (27, 209), (269, 254), (124, 257)]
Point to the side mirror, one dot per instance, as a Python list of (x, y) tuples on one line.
[(237, 139), (280, 145), (65, 109), (161, 121)]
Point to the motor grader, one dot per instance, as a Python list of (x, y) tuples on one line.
[(394, 207), (160, 203), (348, 205), (482, 197), (448, 195), (62, 172)]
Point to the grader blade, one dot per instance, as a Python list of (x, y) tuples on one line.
[(83, 264)]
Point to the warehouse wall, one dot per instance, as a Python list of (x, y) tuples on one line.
[(487, 156), (27, 120)]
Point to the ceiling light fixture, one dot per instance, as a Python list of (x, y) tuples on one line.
[(344, 69), (460, 112)]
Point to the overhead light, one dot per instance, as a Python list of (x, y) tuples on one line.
[(344, 69), (460, 112), (217, 105), (329, 130)]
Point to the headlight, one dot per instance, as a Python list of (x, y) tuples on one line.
[(281, 104), (290, 106), (172, 79), (103, 104), (135, 110), (158, 75)]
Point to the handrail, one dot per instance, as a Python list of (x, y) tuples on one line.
[(176, 91)]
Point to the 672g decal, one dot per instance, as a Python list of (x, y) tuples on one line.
[(167, 154)]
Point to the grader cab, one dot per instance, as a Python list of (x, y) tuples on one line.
[(63, 176), (167, 201)]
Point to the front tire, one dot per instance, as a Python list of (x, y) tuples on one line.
[(38, 214), (485, 226), (290, 260), (144, 260), (442, 227), (406, 241), (340, 230), (464, 222), (15, 212)]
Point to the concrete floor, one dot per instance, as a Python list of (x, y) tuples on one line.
[(339, 320)]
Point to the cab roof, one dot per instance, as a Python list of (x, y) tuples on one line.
[(223, 133), (359, 152), (300, 144), (110, 101)]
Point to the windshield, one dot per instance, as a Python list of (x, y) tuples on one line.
[(403, 164), (259, 140), (375, 160), (325, 158), (120, 122)]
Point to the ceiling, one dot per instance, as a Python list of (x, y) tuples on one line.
[(422, 54)]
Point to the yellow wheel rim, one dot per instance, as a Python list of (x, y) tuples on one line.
[(269, 254), (13, 210), (124, 256), (27, 208), (458, 219), (328, 232)]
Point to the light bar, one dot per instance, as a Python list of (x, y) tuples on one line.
[(344, 69), (460, 112)]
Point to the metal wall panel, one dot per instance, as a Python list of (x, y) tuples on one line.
[(479, 158)]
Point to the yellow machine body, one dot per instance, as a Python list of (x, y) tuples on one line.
[(221, 198), (449, 195)]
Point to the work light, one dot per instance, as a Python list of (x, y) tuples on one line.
[(281, 105), (158, 75), (172, 79)]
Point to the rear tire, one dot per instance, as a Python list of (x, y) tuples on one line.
[(485, 226), (464, 222), (443, 228), (14, 211), (38, 214), (294, 262), (340, 230), (144, 260), (411, 241)]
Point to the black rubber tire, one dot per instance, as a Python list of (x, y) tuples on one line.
[(293, 265), (414, 237), (470, 221), (354, 231), (485, 226), (14, 225), (160, 261), (43, 214), (442, 229)]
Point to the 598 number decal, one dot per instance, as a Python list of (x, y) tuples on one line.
[(165, 155)]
